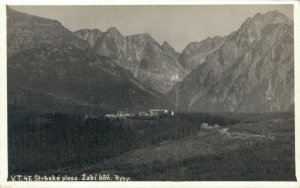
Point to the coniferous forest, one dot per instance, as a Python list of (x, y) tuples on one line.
[(48, 143)]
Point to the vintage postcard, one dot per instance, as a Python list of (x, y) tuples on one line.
[(150, 93)]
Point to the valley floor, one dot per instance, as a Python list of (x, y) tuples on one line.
[(252, 151)]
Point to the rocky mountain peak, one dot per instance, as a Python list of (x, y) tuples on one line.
[(96, 31), (145, 35), (155, 65), (273, 16), (89, 35), (167, 47), (113, 32), (143, 38), (277, 17), (260, 21), (83, 33), (195, 53)]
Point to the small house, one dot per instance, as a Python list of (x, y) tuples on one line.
[(172, 113)]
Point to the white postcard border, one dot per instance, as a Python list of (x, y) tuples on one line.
[(212, 184)]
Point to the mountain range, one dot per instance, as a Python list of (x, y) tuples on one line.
[(155, 65), (51, 69), (250, 70), (54, 69)]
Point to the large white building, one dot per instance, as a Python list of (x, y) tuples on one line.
[(150, 113), (157, 112)]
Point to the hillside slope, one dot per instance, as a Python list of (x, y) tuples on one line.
[(50, 68), (26, 31)]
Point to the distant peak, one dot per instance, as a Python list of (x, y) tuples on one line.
[(274, 12), (166, 45), (258, 15), (112, 30), (143, 36), (146, 35), (273, 16), (96, 30), (270, 17)]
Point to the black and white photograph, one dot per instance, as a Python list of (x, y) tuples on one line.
[(150, 92)]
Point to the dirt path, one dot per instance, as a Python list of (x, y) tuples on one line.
[(226, 132)]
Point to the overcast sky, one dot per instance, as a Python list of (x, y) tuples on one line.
[(178, 25)]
